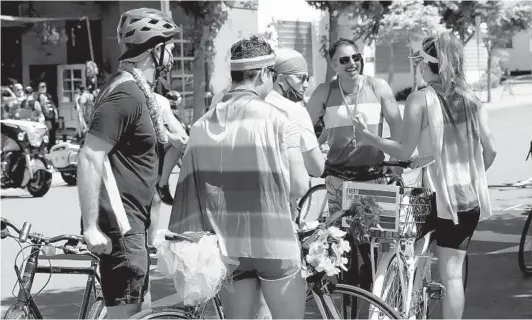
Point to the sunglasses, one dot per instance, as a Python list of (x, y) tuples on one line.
[(302, 77), (345, 60)]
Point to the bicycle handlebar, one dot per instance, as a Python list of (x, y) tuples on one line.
[(24, 233)]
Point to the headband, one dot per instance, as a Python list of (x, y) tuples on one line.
[(288, 61), (427, 57), (253, 63)]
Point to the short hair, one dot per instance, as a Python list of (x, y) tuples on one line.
[(248, 48)]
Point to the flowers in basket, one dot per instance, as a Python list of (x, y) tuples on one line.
[(362, 216), (326, 251)]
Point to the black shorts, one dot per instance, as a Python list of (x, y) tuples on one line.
[(125, 272), (457, 236)]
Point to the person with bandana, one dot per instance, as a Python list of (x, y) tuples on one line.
[(241, 169), (290, 83), (117, 165), (447, 123)]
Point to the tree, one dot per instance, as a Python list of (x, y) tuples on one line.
[(334, 8), (407, 21), (459, 16), (503, 21), (209, 17)]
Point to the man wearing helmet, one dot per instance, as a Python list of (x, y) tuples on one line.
[(117, 166)]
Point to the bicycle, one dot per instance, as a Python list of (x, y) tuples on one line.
[(319, 289), (524, 256), (420, 262), (25, 307)]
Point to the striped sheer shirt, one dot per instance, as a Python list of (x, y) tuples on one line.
[(235, 179)]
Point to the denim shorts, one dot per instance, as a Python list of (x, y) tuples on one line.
[(267, 269), (125, 272)]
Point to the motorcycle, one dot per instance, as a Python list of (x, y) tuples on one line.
[(23, 160), (64, 157)]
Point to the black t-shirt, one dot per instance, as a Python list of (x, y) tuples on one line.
[(122, 119)]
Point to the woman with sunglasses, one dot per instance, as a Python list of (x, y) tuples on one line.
[(447, 122), (350, 94)]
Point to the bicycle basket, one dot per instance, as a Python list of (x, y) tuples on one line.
[(415, 206)]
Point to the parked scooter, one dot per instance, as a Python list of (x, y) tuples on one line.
[(23, 161)]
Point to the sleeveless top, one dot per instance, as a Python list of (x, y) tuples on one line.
[(458, 175), (343, 149)]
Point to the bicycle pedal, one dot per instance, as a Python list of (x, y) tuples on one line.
[(435, 290)]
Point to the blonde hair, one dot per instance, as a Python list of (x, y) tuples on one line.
[(153, 106), (449, 50)]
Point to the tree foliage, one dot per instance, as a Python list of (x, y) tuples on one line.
[(459, 16), (407, 21), (503, 21)]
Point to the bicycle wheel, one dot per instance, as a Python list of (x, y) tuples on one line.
[(97, 310), (178, 312), (19, 312), (163, 313), (347, 302), (525, 247), (314, 204)]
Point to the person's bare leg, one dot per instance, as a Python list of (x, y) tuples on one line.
[(451, 262), (286, 297), (264, 311), (170, 160), (243, 303)]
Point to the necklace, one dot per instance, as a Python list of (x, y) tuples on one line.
[(355, 105)]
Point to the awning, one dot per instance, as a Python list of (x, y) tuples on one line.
[(13, 21)]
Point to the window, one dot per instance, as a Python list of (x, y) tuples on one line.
[(297, 35), (181, 78)]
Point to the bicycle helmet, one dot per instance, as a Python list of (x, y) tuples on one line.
[(144, 28)]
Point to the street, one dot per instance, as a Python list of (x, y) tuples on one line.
[(496, 287)]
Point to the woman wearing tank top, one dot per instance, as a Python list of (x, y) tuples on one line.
[(350, 94), (447, 122)]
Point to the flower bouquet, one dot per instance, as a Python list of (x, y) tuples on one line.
[(324, 251), (362, 216)]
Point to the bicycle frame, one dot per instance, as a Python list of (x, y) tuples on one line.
[(24, 297), (408, 253)]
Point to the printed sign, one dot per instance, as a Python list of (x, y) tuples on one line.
[(386, 196)]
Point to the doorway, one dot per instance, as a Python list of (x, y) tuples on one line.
[(48, 74)]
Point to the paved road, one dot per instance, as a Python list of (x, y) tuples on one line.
[(496, 287)]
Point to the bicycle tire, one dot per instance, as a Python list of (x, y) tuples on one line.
[(527, 270), (16, 313), (97, 310), (358, 294), (305, 203), (163, 313)]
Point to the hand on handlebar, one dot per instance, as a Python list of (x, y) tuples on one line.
[(97, 242)]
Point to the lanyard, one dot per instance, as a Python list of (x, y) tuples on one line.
[(359, 88)]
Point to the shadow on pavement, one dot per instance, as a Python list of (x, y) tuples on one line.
[(497, 289), (65, 304), (507, 223)]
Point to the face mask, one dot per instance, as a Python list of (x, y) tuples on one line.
[(291, 93)]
